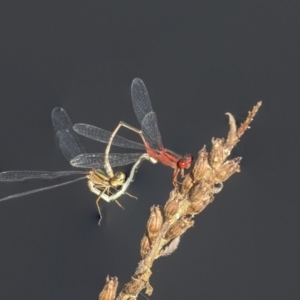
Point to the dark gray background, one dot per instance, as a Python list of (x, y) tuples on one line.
[(199, 59)]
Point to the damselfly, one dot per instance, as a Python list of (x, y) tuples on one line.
[(149, 133), (109, 188)]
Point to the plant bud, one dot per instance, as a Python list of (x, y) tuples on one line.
[(227, 169), (217, 156), (145, 246), (110, 289), (179, 228), (155, 222)]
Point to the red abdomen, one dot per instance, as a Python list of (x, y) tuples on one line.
[(164, 157)]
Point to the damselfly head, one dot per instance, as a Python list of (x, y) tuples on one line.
[(118, 179), (185, 162)]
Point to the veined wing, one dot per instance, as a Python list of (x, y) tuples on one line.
[(41, 189), (140, 99), (69, 142), (60, 119), (25, 175), (145, 114), (150, 131), (96, 160), (103, 136)]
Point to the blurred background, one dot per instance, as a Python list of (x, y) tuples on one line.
[(199, 60)]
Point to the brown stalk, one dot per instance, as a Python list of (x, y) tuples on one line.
[(166, 224)]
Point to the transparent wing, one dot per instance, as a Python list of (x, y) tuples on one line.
[(40, 189), (69, 142), (96, 160), (60, 119), (145, 114), (103, 136), (24, 175), (140, 99), (151, 132)]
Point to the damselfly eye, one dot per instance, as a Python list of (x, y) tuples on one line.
[(120, 176), (185, 162), (118, 179)]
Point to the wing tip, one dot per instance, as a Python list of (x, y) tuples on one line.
[(136, 81)]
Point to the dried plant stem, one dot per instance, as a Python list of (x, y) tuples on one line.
[(166, 224)]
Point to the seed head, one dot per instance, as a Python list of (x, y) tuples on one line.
[(179, 228), (145, 246), (110, 289), (155, 222)]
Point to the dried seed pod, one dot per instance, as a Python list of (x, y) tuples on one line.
[(179, 228), (171, 208), (155, 222), (145, 246), (196, 207), (201, 165), (200, 191), (217, 156), (187, 183), (201, 168), (227, 169), (110, 289)]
